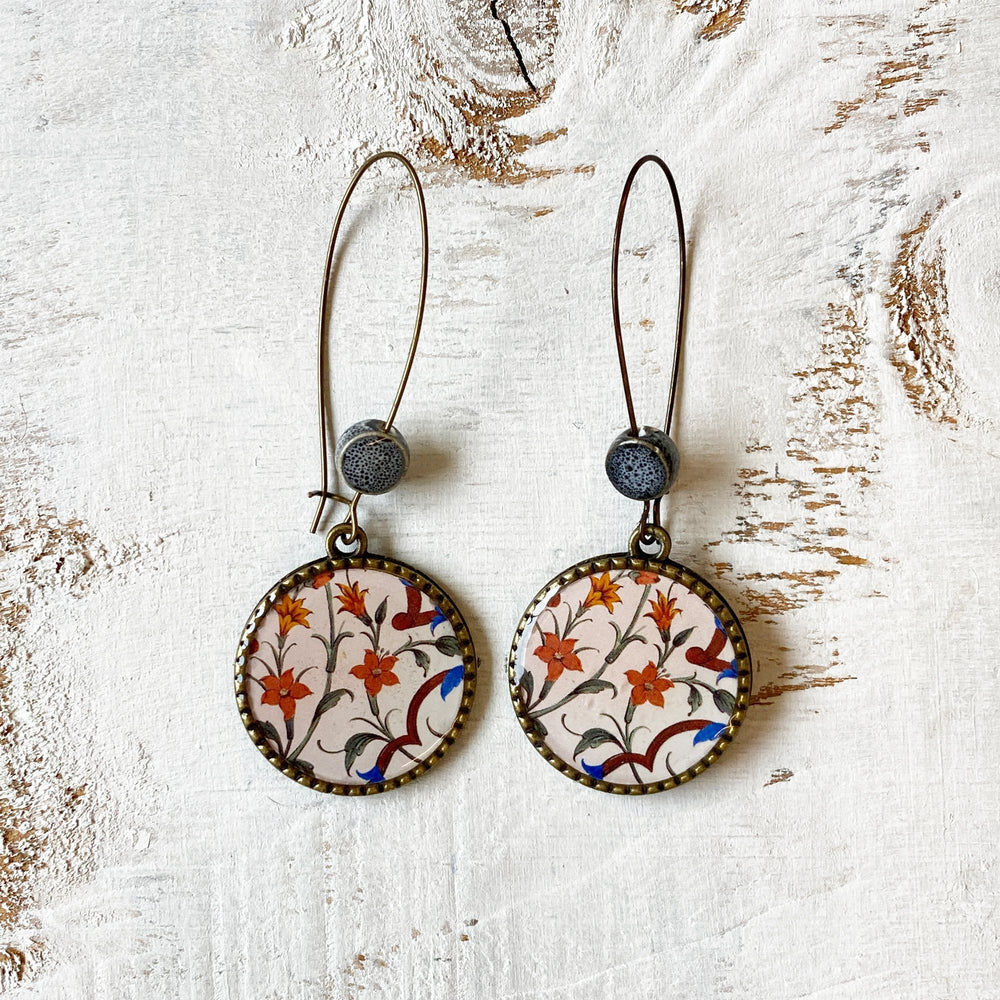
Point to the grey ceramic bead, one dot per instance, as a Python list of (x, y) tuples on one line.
[(642, 467), (371, 459)]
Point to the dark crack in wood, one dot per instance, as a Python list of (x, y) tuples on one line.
[(494, 13)]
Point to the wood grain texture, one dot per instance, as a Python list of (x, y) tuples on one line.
[(170, 175)]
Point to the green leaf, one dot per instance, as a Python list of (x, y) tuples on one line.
[(592, 738), (331, 657), (331, 649), (330, 699), (682, 637), (355, 747), (304, 765), (594, 686), (528, 686), (694, 699), (380, 611), (449, 645), (540, 726), (724, 701), (423, 660), (622, 645), (267, 730)]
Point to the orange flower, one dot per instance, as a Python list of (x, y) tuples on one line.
[(352, 599), (283, 691), (553, 601), (644, 578), (647, 686), (558, 654), (664, 611), (291, 613), (322, 579), (375, 672), (603, 591)]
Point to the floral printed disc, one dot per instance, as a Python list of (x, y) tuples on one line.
[(629, 675), (354, 675)]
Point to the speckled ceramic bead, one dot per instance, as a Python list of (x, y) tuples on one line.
[(371, 459), (643, 467)]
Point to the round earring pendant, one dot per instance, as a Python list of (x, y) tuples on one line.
[(629, 674), (355, 674)]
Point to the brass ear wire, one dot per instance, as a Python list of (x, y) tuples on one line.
[(681, 292), (649, 526), (354, 532)]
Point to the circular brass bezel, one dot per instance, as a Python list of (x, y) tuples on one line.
[(308, 572), (698, 586)]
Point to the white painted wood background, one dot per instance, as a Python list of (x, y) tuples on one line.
[(170, 171)]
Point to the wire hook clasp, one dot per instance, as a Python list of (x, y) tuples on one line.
[(681, 291), (354, 531)]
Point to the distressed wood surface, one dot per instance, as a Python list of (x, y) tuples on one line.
[(170, 173)]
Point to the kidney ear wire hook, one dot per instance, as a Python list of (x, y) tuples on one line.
[(643, 465), (681, 291), (379, 432)]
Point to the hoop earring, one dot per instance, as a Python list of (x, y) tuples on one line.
[(628, 672), (356, 672)]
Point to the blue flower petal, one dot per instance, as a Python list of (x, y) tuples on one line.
[(452, 679), (718, 625), (729, 672), (373, 775), (438, 619), (710, 733), (594, 770)]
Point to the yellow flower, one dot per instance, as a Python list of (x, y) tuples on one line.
[(603, 591), (352, 599), (663, 612), (291, 613)]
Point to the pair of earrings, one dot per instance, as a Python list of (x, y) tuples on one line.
[(628, 672)]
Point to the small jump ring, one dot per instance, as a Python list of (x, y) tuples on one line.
[(350, 532), (647, 532)]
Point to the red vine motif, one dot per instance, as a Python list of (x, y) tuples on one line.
[(411, 737), (708, 657), (413, 617), (647, 759)]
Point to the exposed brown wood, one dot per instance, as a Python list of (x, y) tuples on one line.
[(46, 822), (807, 503), (766, 693), (923, 350), (724, 16), (456, 98), (891, 89), (779, 775)]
